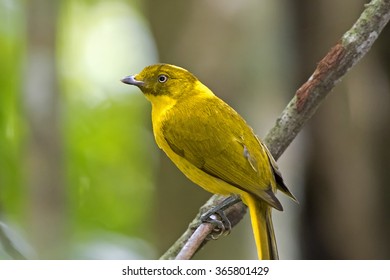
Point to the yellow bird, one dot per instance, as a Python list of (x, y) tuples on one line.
[(213, 145)]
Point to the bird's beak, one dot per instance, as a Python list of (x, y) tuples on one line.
[(130, 80)]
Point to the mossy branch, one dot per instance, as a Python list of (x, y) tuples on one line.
[(353, 45)]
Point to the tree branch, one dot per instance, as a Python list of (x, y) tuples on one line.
[(7, 244), (353, 45)]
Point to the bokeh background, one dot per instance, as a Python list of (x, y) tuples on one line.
[(81, 176)]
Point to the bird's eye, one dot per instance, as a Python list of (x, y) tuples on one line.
[(162, 78)]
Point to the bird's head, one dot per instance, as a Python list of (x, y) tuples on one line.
[(163, 80)]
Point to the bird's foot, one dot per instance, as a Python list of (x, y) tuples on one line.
[(221, 222)]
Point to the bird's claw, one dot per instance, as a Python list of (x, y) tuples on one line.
[(220, 221)]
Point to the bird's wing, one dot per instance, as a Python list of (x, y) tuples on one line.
[(278, 176), (217, 140)]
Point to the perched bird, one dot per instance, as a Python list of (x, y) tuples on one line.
[(213, 145)]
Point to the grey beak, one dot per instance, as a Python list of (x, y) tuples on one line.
[(131, 81)]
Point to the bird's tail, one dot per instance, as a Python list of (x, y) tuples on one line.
[(262, 226)]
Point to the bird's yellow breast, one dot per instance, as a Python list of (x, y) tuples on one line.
[(161, 104), (159, 109)]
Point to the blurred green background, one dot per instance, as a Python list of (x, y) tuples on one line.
[(81, 176)]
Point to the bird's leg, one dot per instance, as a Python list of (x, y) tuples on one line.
[(216, 215)]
